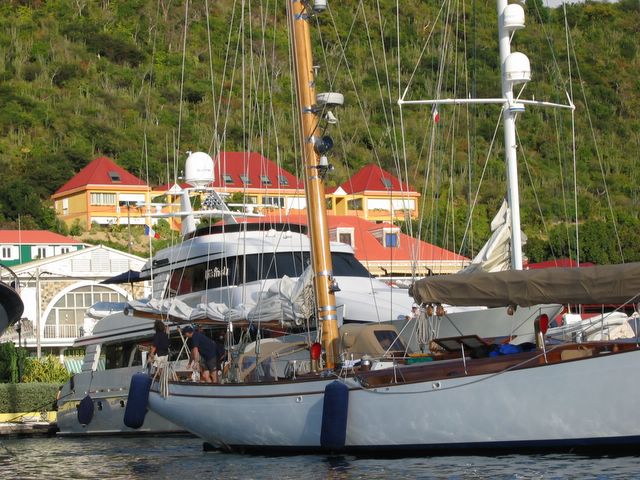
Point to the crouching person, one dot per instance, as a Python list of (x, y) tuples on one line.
[(204, 352)]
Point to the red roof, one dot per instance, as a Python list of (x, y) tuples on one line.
[(168, 186), (367, 247), (101, 171), (258, 171), (560, 262), (372, 178), (33, 237)]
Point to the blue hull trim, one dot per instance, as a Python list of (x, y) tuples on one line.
[(616, 445)]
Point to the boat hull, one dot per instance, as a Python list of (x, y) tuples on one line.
[(11, 306), (109, 390), (513, 409)]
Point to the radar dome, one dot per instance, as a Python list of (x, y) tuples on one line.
[(517, 68), (198, 170)]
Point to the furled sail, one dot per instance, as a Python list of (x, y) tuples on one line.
[(612, 284), (495, 255)]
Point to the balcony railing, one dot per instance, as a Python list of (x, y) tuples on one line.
[(62, 331)]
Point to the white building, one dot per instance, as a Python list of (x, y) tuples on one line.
[(57, 292)]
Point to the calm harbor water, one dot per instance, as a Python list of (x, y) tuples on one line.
[(183, 458)]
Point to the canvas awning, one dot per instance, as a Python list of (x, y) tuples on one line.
[(603, 284), (129, 276)]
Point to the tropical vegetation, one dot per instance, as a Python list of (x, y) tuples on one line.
[(81, 78)]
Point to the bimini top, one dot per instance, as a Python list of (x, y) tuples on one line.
[(603, 284)]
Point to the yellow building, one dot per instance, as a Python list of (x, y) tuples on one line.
[(375, 195), (102, 193)]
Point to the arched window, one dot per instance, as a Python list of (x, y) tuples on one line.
[(66, 317)]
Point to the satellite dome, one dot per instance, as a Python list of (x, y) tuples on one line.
[(198, 170), (513, 15), (517, 68)]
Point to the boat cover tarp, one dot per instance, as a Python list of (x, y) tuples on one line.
[(603, 284), (286, 299)]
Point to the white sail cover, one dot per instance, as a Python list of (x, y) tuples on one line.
[(286, 299), (610, 284)]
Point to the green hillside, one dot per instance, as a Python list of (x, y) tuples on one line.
[(82, 78)]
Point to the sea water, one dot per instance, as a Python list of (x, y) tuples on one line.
[(183, 458)]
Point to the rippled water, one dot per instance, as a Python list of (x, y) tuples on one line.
[(181, 457)]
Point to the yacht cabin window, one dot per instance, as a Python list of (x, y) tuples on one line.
[(229, 271)]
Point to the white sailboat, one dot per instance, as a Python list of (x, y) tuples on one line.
[(455, 400)]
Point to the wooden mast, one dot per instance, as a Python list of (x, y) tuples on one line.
[(314, 186)]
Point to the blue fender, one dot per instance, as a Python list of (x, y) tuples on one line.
[(137, 400), (85, 411), (334, 416)]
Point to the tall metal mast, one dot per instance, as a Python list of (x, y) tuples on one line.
[(298, 14), (509, 122)]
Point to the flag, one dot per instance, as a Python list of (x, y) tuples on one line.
[(435, 114), (150, 232)]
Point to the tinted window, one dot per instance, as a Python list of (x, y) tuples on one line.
[(117, 355), (232, 270)]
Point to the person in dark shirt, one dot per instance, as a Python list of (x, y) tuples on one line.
[(204, 352), (160, 345)]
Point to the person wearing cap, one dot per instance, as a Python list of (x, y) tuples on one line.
[(415, 311), (204, 352)]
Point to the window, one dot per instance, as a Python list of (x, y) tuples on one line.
[(6, 252), (66, 318), (391, 240), (245, 179), (342, 235), (227, 271), (345, 237), (41, 252), (265, 180), (273, 201), (227, 178), (282, 180), (118, 355), (355, 204), (103, 199), (114, 176), (64, 250), (387, 183), (389, 341)]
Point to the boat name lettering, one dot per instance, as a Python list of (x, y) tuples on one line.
[(216, 272)]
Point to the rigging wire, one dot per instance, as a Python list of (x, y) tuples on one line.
[(597, 151), (573, 137)]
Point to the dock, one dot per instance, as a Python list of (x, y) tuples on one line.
[(28, 429), (28, 424)]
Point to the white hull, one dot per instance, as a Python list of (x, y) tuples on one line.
[(512, 409)]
